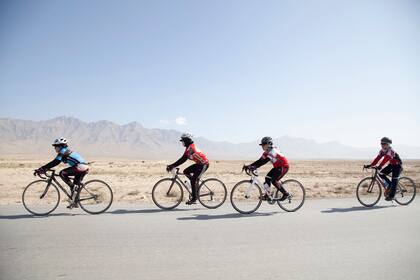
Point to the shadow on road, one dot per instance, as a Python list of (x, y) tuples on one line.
[(226, 216), (148, 211), (354, 208), (30, 216)]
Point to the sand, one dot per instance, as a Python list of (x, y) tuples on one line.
[(132, 180)]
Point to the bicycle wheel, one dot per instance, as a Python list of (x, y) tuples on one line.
[(406, 191), (212, 193), (95, 197), (40, 199), (167, 194), (246, 197), (296, 196), (368, 192)]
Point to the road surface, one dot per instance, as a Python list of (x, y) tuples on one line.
[(326, 239)]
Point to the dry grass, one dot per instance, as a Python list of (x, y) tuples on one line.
[(132, 180)]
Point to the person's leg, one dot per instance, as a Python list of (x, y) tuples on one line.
[(276, 180), (64, 175), (199, 171), (192, 173), (269, 178), (80, 172), (396, 171), (384, 172), (189, 171)]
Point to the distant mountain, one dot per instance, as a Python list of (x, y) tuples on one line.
[(107, 139)]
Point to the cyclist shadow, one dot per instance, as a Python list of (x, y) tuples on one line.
[(148, 211), (354, 209), (226, 216), (30, 216)]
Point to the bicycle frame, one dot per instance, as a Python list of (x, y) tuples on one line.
[(376, 177), (177, 178), (52, 178), (257, 182)]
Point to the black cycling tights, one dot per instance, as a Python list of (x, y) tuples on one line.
[(194, 173), (396, 171), (274, 176), (72, 171)]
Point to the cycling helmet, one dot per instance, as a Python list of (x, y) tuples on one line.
[(267, 140), (60, 142), (186, 138), (386, 140)]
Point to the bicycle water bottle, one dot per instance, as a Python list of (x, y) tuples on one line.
[(187, 184)]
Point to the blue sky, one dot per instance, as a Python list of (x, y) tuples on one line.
[(225, 70)]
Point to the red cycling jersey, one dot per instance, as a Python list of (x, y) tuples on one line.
[(276, 157), (195, 154), (388, 155)]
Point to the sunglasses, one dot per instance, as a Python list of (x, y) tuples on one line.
[(384, 143)]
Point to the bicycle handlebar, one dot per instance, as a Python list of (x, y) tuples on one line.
[(41, 175), (250, 172)]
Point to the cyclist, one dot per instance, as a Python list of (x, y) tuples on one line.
[(195, 171), (78, 166), (280, 167), (395, 167)]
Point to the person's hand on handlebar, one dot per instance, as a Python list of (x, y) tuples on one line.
[(169, 168), (39, 171), (366, 166)]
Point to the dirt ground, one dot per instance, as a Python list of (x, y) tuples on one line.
[(132, 180)]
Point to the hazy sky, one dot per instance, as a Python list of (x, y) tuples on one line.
[(225, 70)]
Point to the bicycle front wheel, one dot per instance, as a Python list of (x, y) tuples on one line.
[(167, 194), (212, 193), (95, 197), (41, 199), (296, 196), (246, 197), (406, 191), (368, 192)]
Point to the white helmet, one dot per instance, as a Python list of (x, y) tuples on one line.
[(60, 142)]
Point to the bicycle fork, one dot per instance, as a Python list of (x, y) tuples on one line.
[(46, 189)]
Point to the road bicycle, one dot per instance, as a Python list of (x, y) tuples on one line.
[(168, 193), (41, 197), (369, 190), (246, 196)]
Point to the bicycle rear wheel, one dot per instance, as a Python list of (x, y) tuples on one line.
[(296, 196), (368, 192), (246, 197), (40, 199), (167, 194), (212, 193), (406, 191), (95, 197)]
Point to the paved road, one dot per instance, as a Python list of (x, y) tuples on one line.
[(326, 239)]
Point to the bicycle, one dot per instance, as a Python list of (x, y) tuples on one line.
[(369, 189), (246, 196), (42, 197), (168, 193)]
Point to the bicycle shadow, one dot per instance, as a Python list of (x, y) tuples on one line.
[(226, 216), (355, 209), (148, 211), (30, 216)]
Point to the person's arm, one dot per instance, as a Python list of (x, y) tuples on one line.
[(260, 162), (376, 160), (51, 164), (178, 162), (386, 159)]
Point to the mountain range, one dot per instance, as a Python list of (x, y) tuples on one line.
[(132, 140)]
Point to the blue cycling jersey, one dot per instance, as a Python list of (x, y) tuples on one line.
[(71, 158)]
